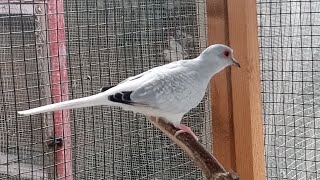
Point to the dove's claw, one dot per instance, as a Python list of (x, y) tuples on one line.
[(184, 128)]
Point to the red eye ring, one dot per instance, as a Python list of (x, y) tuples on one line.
[(226, 53)]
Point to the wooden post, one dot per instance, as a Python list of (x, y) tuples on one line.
[(237, 119), (59, 87)]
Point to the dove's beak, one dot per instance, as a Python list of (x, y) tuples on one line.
[(235, 62)]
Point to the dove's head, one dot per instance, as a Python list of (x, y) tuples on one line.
[(217, 57)]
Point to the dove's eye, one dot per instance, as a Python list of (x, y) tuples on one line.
[(226, 53)]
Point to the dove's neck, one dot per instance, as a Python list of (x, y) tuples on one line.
[(208, 67)]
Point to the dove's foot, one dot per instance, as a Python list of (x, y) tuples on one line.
[(184, 128)]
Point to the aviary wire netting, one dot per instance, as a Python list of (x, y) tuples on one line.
[(106, 42), (289, 34)]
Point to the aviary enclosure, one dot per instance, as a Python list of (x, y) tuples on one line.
[(261, 121)]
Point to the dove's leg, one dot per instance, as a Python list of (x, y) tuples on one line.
[(184, 128)]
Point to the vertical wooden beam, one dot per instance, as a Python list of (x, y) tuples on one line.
[(246, 93), (222, 124), (237, 119)]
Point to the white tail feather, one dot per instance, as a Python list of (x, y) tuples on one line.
[(94, 100)]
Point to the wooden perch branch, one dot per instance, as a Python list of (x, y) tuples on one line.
[(208, 164)]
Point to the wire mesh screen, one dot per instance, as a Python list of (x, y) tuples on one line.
[(289, 34), (22, 79), (106, 42)]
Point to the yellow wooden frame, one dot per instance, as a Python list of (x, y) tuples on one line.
[(235, 92)]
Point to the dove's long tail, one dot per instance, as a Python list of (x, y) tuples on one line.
[(94, 100)]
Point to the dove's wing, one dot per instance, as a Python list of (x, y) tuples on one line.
[(173, 88)]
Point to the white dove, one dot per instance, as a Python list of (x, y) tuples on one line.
[(169, 91)]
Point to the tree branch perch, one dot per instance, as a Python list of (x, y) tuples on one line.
[(208, 164)]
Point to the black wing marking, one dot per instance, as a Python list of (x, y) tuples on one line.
[(122, 97), (103, 89)]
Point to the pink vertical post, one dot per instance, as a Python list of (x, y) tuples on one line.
[(59, 85)]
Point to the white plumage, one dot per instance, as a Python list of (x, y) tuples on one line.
[(167, 91)]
